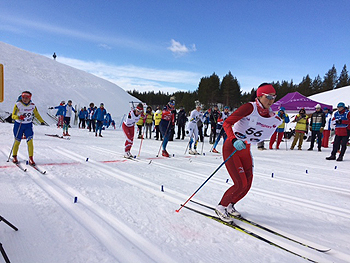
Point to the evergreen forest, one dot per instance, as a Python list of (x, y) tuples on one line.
[(227, 92)]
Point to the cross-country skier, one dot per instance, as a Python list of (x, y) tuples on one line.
[(129, 128), (250, 123), (23, 113), (166, 124), (61, 111), (195, 116), (67, 116), (219, 130)]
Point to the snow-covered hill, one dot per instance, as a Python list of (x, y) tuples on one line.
[(51, 82), (333, 97)]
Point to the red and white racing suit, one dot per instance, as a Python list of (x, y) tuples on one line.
[(252, 124), (129, 129)]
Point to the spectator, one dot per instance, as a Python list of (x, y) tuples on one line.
[(317, 123), (99, 116), (300, 129), (149, 121), (181, 123), (90, 117), (82, 117), (157, 117), (342, 121), (327, 127), (214, 115), (280, 129)]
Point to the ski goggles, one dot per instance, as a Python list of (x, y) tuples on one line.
[(26, 95), (270, 97), (139, 110)]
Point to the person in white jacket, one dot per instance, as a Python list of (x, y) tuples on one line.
[(195, 116), (327, 128)]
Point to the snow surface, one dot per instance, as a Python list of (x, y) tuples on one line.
[(121, 214)]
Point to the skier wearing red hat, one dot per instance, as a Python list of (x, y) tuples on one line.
[(253, 122), (129, 128)]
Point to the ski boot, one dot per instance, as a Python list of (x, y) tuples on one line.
[(165, 153), (221, 211), (31, 161), (14, 159), (232, 211)]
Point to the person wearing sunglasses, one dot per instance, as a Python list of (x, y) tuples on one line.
[(23, 113), (129, 128), (251, 123)]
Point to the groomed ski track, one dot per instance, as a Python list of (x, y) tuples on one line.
[(102, 218), (177, 198)]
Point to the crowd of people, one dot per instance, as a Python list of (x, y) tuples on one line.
[(92, 118)]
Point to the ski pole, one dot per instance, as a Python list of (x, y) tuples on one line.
[(19, 127), (202, 145), (217, 169), (166, 132), (187, 146), (143, 133)]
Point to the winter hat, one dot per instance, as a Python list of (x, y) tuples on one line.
[(283, 109), (325, 108), (318, 106), (139, 107), (341, 104), (101, 105), (265, 88)]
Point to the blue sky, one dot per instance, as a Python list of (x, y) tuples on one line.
[(170, 45)]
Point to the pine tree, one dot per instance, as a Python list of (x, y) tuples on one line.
[(316, 85), (304, 86), (231, 91), (330, 79), (344, 79)]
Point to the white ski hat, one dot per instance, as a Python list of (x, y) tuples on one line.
[(318, 106)]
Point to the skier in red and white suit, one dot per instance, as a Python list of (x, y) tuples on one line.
[(251, 123), (129, 128)]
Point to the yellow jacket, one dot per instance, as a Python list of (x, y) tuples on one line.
[(302, 123), (149, 118), (140, 122), (157, 117)]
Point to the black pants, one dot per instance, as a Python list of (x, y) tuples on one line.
[(181, 130), (92, 124), (158, 133), (340, 141), (319, 139), (200, 133)]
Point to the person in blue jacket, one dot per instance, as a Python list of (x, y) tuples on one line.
[(99, 116), (82, 117), (61, 112), (280, 129)]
